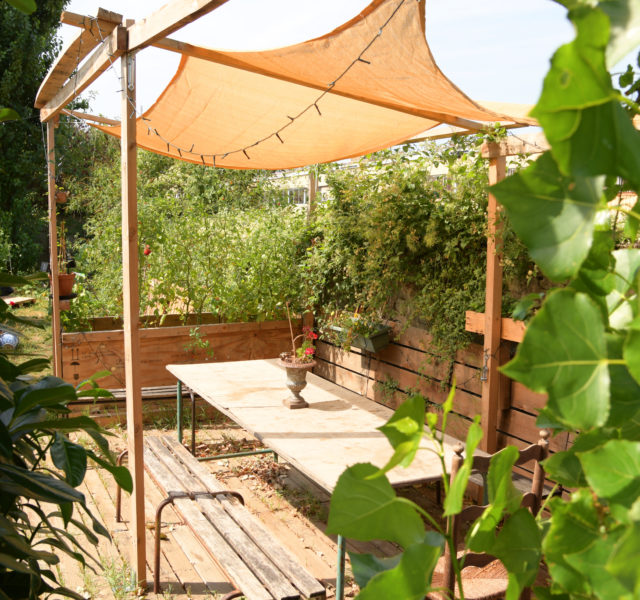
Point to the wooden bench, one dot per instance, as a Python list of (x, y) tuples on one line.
[(256, 564)]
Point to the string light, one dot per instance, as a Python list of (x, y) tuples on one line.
[(276, 134)]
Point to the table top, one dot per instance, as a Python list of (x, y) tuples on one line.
[(337, 430)]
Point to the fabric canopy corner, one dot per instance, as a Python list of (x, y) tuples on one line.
[(369, 84)]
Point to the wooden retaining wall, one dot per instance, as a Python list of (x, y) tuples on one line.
[(86, 353), (408, 364)]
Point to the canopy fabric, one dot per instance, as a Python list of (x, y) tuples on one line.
[(314, 102)]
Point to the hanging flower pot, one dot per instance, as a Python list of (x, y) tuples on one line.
[(61, 196), (65, 284)]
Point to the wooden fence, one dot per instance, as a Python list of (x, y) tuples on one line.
[(409, 364), (86, 353)]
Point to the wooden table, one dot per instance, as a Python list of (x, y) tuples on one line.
[(337, 430)]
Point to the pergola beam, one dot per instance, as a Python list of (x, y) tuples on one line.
[(96, 64), (166, 20), (94, 30)]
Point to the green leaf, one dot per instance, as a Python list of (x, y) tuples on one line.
[(363, 508), (404, 430), (623, 562), (453, 501), (518, 546), (552, 214), (8, 114), (591, 564), (25, 6), (365, 566), (38, 486), (625, 390), (409, 579), (43, 395), (624, 16), (120, 474), (70, 458), (564, 354), (613, 470), (618, 304), (70, 424), (503, 498), (566, 469)]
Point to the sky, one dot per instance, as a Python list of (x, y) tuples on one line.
[(496, 50)]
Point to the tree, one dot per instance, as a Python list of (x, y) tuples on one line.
[(29, 46)]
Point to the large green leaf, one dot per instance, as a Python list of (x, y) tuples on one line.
[(120, 473), (453, 502), (70, 458), (623, 563), (70, 424), (625, 390), (613, 470), (366, 508), (518, 546), (591, 563), (43, 395), (25, 6), (565, 468), (552, 214), (618, 304), (564, 354), (409, 579), (404, 430), (503, 498), (8, 114), (366, 566), (39, 486), (624, 16)]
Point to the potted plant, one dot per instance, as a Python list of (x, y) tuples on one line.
[(65, 278), (297, 363), (61, 195), (358, 330)]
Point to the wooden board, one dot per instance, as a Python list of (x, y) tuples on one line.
[(337, 430), (86, 353), (18, 300), (94, 31), (511, 330)]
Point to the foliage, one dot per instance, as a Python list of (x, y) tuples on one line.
[(39, 502), (364, 506), (582, 348), (397, 242), (28, 49), (211, 241)]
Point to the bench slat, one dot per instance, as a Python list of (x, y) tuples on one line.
[(252, 555), (208, 536), (307, 584)]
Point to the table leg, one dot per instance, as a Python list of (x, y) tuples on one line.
[(179, 410), (193, 422), (340, 568)]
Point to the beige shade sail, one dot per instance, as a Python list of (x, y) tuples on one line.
[(370, 84)]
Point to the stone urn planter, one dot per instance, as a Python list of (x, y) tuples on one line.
[(296, 381)]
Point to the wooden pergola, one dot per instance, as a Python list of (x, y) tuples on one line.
[(122, 41)]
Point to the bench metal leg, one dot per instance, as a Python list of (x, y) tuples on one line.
[(179, 410), (340, 568), (169, 500), (193, 422), (119, 490)]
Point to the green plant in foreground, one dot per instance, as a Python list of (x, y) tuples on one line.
[(35, 496), (364, 506), (582, 349)]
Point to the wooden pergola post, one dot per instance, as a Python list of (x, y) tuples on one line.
[(131, 310), (53, 249), (313, 188), (496, 388), (492, 314)]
